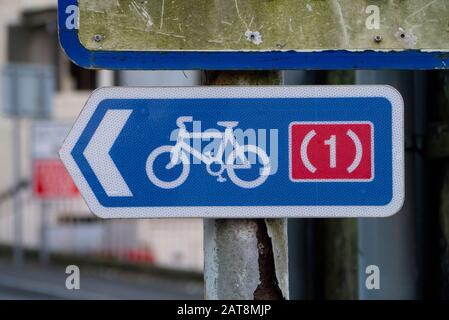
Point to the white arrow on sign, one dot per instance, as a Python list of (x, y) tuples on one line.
[(97, 153)]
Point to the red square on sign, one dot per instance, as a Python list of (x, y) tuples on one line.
[(331, 151)]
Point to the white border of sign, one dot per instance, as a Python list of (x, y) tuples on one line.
[(387, 92)]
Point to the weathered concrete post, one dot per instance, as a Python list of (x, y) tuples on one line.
[(245, 258)]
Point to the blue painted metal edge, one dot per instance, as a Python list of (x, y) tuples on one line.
[(232, 60)]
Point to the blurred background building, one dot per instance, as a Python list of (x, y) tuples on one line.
[(29, 38)]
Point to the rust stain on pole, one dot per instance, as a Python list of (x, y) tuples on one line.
[(268, 289)]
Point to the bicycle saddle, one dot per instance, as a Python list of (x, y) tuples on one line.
[(228, 124)]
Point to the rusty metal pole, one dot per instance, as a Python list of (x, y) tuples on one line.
[(245, 258)]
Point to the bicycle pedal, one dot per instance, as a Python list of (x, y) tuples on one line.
[(221, 179)]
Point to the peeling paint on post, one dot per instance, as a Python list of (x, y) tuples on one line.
[(277, 232), (245, 259)]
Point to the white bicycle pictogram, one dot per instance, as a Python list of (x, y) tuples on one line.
[(180, 151)]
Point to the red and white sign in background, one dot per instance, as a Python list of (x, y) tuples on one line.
[(50, 178), (331, 151)]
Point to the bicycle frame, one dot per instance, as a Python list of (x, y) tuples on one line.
[(226, 137)]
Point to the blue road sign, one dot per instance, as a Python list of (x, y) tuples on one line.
[(373, 57), (332, 151)]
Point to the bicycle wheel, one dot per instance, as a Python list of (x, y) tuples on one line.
[(161, 183), (263, 173)]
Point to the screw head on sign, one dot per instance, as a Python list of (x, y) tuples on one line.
[(378, 38), (98, 37)]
